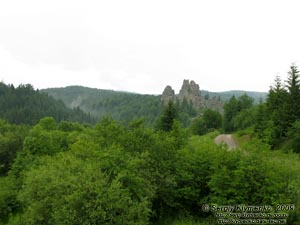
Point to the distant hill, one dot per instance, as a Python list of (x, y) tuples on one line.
[(24, 105), (226, 95), (123, 106)]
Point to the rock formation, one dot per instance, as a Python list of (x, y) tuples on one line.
[(190, 92), (168, 95), (215, 104)]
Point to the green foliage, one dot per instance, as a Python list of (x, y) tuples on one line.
[(169, 114), (8, 201), (238, 113), (242, 173), (294, 133), (44, 139), (11, 141), (244, 102), (69, 126), (230, 111), (209, 121), (67, 190), (212, 118), (282, 110), (254, 176), (112, 173), (293, 87), (63, 172), (24, 105), (48, 123), (261, 119), (122, 106), (276, 107), (178, 134), (244, 119), (198, 126), (109, 132), (185, 111), (226, 95), (160, 170), (194, 170), (125, 106)]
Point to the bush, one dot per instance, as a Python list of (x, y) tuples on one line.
[(68, 190)]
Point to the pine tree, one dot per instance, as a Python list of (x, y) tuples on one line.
[(276, 108), (167, 118), (230, 111), (293, 101)]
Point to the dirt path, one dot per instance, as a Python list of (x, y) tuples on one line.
[(227, 139)]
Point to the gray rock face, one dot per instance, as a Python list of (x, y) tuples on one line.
[(168, 95), (190, 91), (215, 104)]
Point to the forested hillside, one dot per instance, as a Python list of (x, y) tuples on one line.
[(122, 106), (226, 95), (25, 105), (125, 106)]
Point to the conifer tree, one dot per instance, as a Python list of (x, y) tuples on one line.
[(276, 108), (167, 118), (293, 101), (230, 111)]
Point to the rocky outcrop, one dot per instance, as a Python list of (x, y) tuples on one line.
[(168, 95), (190, 92), (214, 103)]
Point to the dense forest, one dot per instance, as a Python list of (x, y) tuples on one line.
[(122, 106), (24, 105), (56, 171), (226, 95)]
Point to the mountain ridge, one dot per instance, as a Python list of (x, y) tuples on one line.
[(125, 106), (130, 92)]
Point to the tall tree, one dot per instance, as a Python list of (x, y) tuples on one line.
[(276, 108), (261, 119), (277, 95), (167, 118), (209, 121), (230, 111), (237, 113), (244, 102), (293, 101)]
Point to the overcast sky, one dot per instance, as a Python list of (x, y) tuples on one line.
[(142, 46)]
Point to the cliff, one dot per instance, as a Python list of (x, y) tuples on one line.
[(190, 92), (168, 95)]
